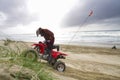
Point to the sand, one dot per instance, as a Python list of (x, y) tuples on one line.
[(91, 63), (88, 63)]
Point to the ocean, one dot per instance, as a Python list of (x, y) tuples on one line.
[(88, 38)]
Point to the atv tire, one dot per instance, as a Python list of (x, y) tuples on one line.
[(31, 55), (59, 66)]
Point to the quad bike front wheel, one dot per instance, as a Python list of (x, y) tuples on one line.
[(60, 66), (30, 55)]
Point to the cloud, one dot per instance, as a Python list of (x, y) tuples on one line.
[(14, 12), (106, 12)]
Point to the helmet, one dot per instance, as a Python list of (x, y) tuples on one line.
[(39, 31)]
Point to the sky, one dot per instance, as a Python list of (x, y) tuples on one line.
[(26, 16)]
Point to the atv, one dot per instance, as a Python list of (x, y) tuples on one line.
[(39, 51)]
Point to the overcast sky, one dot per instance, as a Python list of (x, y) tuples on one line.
[(106, 13), (25, 16)]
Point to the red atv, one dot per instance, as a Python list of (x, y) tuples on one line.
[(40, 51)]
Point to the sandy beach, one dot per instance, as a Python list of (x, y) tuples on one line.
[(92, 63), (83, 62), (87, 32)]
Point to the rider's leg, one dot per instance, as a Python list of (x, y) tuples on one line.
[(49, 47), (49, 55)]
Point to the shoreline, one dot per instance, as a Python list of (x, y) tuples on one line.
[(92, 44), (79, 44)]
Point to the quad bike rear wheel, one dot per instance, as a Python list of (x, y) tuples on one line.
[(60, 66), (31, 55)]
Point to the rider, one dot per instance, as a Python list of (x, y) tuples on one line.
[(49, 38)]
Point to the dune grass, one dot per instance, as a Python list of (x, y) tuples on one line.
[(12, 57)]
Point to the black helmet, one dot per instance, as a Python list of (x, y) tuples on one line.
[(39, 31)]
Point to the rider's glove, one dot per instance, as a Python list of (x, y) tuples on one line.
[(47, 40)]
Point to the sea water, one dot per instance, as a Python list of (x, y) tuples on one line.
[(90, 38)]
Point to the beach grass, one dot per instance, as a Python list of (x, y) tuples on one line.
[(28, 70)]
